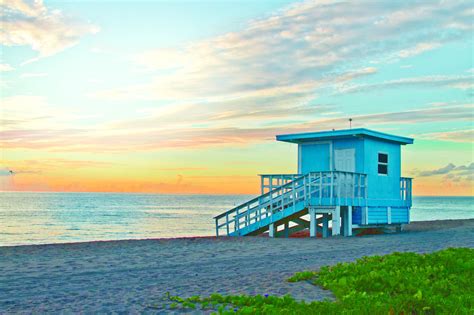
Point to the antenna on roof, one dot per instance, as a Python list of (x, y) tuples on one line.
[(350, 123)]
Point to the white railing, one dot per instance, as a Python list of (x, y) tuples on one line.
[(268, 182), (405, 189), (313, 189)]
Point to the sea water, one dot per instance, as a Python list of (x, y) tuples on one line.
[(43, 218)]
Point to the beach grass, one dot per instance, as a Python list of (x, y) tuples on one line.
[(398, 283)]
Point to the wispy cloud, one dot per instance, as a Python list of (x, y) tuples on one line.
[(462, 82), (21, 112), (46, 165), (31, 23), (440, 171), (456, 136), (6, 67), (175, 130), (308, 42), (246, 86), (418, 49), (174, 169), (268, 77), (452, 173)]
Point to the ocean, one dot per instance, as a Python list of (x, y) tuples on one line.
[(43, 218)]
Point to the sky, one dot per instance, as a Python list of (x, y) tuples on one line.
[(187, 97)]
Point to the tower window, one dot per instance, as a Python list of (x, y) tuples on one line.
[(383, 164)]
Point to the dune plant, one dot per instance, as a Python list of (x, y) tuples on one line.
[(399, 283)]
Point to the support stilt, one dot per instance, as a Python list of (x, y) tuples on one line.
[(312, 223), (272, 230), (336, 221), (325, 225), (286, 231), (389, 215), (343, 220), (348, 220), (365, 215)]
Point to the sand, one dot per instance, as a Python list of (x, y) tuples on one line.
[(130, 276)]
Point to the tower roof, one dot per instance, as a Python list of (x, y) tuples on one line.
[(339, 134)]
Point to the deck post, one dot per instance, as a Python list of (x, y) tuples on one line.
[(217, 228), (227, 222), (365, 215), (325, 225), (293, 193), (348, 222), (389, 215), (331, 188), (312, 223), (320, 188), (366, 186), (309, 185), (286, 232), (304, 188), (272, 230), (343, 220), (247, 216), (336, 221)]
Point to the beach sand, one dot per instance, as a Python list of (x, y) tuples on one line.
[(129, 276)]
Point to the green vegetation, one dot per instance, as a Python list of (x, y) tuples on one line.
[(399, 283)]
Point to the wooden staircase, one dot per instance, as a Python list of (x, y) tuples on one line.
[(317, 194)]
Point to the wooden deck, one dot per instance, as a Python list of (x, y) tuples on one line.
[(324, 196)]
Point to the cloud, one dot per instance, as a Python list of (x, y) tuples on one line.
[(6, 67), (27, 166), (246, 86), (452, 173), (308, 42), (253, 83), (193, 130), (10, 172), (21, 112), (418, 49), (46, 31), (174, 169), (443, 170), (462, 82), (456, 136)]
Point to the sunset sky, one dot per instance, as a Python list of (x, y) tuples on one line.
[(187, 97)]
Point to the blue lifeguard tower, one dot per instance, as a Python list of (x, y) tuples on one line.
[(346, 178)]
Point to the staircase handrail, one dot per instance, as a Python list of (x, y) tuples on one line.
[(257, 198)]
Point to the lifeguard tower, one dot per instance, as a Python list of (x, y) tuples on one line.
[(349, 178)]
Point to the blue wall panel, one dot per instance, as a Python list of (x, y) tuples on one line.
[(314, 158), (399, 215), (377, 215), (382, 186)]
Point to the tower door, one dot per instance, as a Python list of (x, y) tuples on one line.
[(344, 160)]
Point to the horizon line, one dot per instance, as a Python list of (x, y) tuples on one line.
[(176, 193)]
